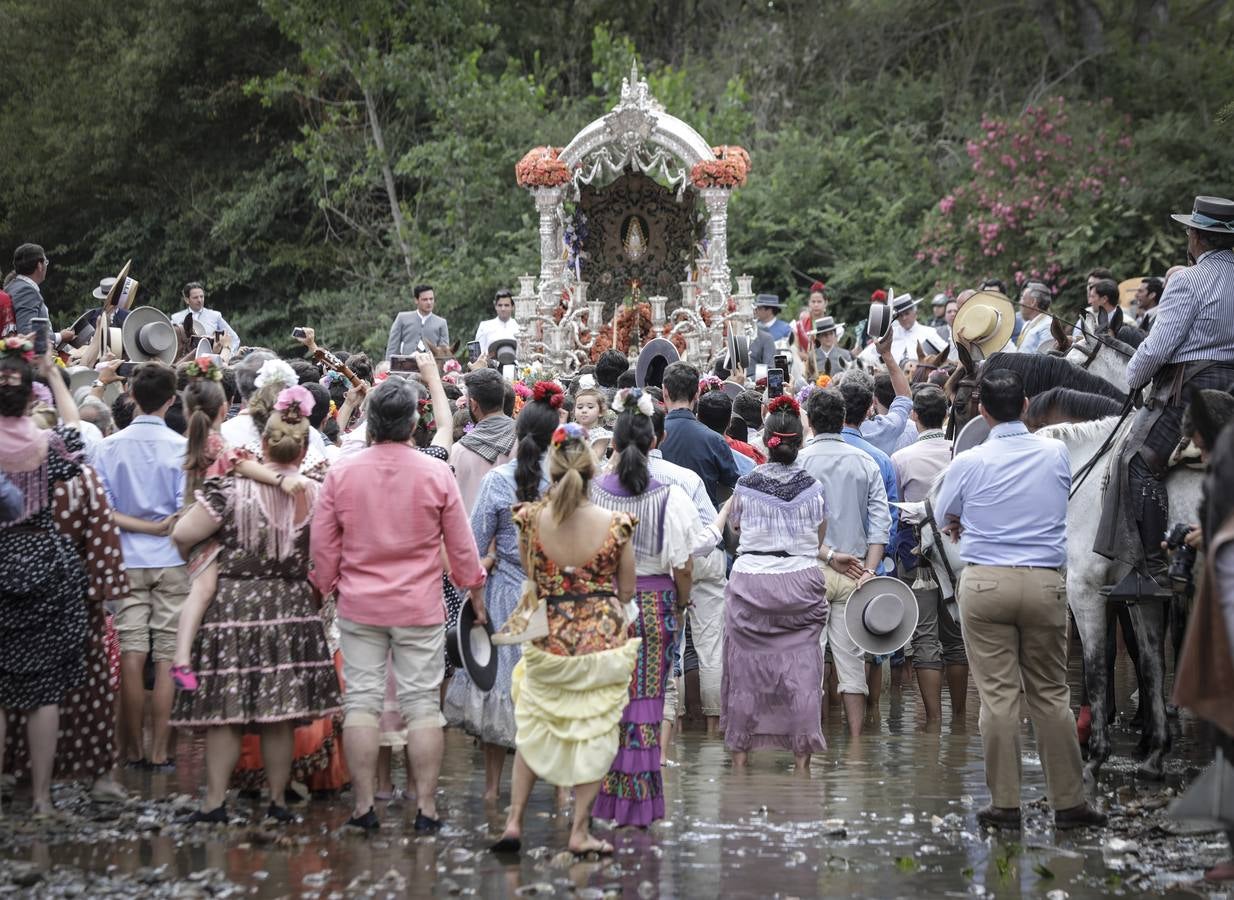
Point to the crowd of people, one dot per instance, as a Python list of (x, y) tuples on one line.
[(273, 551)]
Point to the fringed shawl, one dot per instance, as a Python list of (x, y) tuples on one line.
[(25, 451), (779, 499), (646, 508), (264, 515)]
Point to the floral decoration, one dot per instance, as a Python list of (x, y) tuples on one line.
[(730, 169), (710, 383), (541, 168), (823, 381), (15, 346), (294, 402), (424, 413), (879, 296), (634, 400), (549, 392), (276, 371), (784, 402), (204, 367), (570, 431)]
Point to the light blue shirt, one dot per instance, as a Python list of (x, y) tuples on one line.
[(211, 320), (891, 487), (1010, 495), (857, 511), (142, 468), (745, 465), (884, 432)]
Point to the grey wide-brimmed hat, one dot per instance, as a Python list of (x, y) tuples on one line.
[(105, 285), (504, 350), (470, 647), (825, 325), (148, 334), (879, 321), (971, 435), (1215, 214), (656, 356), (738, 352), (901, 303), (881, 615), (770, 300)]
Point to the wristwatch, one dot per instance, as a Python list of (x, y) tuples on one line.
[(831, 554)]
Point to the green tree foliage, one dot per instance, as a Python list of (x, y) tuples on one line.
[(311, 159)]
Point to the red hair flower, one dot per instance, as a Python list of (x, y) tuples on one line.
[(784, 402), (879, 296), (818, 288), (549, 392)]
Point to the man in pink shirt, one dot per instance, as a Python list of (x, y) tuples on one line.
[(490, 442), (937, 642), (381, 520)]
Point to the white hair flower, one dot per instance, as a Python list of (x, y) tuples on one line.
[(635, 400), (276, 371)]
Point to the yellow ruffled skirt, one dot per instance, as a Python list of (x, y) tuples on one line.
[(567, 709)]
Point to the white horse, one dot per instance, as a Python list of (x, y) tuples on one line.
[(1106, 358), (1087, 572)]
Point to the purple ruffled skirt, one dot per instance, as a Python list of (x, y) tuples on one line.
[(633, 792), (770, 692)]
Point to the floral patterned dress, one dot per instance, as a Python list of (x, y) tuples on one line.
[(571, 687)]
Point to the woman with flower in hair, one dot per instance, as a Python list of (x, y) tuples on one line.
[(775, 603), (260, 656), (815, 309), (43, 583), (664, 538), (206, 456), (571, 686), (490, 715)]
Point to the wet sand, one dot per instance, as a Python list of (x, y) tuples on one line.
[(891, 814)]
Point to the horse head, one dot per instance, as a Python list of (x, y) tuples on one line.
[(441, 352), (927, 363)]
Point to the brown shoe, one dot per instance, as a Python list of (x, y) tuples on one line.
[(1082, 816), (999, 817)]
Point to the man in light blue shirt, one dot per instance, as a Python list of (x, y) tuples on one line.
[(1013, 601), (858, 525), (142, 468), (211, 321), (885, 431), (857, 402)]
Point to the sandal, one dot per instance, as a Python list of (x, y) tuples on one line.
[(216, 816), (507, 847), (604, 848), (185, 678)]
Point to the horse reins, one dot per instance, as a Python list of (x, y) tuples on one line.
[(1087, 468)]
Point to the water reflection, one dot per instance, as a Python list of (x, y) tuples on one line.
[(888, 814)]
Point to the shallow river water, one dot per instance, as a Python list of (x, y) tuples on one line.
[(890, 814)]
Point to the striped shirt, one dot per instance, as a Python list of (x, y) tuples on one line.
[(1193, 321)]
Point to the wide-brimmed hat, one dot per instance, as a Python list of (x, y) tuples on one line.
[(738, 352), (769, 300), (984, 323), (123, 290), (825, 325), (972, 434), (470, 647), (504, 350), (105, 285), (1215, 214), (879, 321), (940, 299), (148, 334), (901, 303), (656, 356), (732, 388), (881, 615), (80, 377)]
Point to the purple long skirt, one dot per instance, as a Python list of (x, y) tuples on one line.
[(632, 792), (770, 692)]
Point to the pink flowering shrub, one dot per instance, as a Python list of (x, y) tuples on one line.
[(1044, 197)]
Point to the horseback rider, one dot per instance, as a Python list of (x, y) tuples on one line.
[(1191, 346)]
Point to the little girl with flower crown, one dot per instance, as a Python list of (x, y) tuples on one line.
[(207, 455)]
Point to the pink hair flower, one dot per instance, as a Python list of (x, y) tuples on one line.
[(297, 396)]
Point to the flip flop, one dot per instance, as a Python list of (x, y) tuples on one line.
[(507, 847)]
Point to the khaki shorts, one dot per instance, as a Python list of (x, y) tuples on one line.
[(847, 657), (152, 611), (417, 655)]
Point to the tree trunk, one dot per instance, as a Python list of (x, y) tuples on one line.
[(1091, 26), (1150, 16), (387, 174), (1051, 33)]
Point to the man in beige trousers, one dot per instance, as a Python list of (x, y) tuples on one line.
[(1013, 601)]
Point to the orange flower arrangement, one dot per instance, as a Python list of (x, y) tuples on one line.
[(730, 169), (541, 168)]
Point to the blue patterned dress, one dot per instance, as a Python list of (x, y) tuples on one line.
[(490, 715)]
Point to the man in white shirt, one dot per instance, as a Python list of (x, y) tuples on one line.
[(1034, 301), (211, 321), (906, 331), (504, 326)]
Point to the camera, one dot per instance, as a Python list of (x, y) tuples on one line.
[(1183, 559)]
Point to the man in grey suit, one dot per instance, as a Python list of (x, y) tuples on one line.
[(30, 263), (410, 328)]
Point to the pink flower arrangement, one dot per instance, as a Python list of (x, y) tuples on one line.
[(540, 167), (730, 169), (297, 397)]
